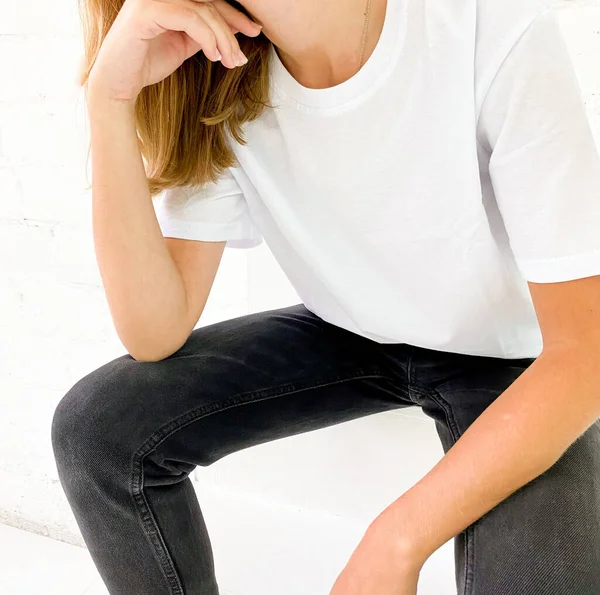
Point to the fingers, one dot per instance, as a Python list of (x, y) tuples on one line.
[(202, 23), (226, 41), (173, 17), (237, 21)]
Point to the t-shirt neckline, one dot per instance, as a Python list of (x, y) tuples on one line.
[(390, 39)]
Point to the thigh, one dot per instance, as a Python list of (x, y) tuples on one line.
[(544, 539), (232, 385)]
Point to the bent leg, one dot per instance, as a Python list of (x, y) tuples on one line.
[(544, 539), (127, 435)]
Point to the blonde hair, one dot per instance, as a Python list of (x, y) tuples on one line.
[(182, 121)]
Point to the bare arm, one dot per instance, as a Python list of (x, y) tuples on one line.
[(156, 287)]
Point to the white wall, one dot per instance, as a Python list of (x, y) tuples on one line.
[(311, 496)]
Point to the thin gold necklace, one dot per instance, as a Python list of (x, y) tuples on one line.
[(364, 37)]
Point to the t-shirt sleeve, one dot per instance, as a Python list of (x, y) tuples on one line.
[(544, 164), (212, 212)]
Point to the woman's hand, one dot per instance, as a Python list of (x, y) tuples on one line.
[(150, 39), (379, 566)]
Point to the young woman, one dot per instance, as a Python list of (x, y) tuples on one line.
[(426, 176)]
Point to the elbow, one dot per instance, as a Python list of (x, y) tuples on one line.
[(147, 357), (150, 356), (153, 341), (154, 353)]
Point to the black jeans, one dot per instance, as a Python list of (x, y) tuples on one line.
[(127, 436)]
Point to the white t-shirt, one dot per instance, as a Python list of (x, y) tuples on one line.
[(413, 202)]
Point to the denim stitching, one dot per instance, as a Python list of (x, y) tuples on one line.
[(149, 525), (436, 396)]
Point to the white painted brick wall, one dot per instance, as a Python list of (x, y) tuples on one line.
[(55, 327)]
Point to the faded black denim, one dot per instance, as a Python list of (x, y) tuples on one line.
[(127, 436)]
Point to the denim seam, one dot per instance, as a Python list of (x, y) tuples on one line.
[(410, 383), (469, 531), (148, 522)]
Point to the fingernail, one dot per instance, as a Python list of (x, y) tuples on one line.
[(240, 59), (218, 54)]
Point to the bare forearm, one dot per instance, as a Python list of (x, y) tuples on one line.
[(145, 291), (518, 437)]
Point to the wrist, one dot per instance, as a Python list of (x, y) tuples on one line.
[(106, 110), (405, 548), (98, 94)]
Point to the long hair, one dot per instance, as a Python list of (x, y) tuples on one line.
[(182, 122)]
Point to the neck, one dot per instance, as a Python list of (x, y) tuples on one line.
[(319, 41)]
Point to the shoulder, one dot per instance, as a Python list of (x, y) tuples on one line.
[(507, 15), (499, 26)]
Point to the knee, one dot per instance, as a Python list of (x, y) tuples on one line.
[(90, 412)]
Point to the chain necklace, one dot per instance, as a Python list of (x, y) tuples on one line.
[(364, 37)]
